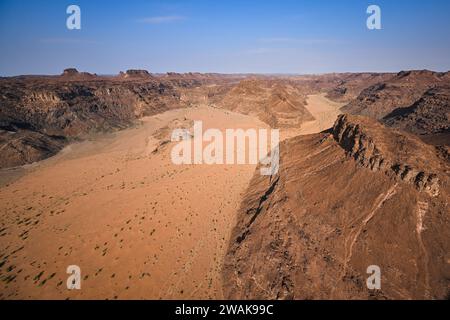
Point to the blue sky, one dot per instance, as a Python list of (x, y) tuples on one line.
[(261, 36)]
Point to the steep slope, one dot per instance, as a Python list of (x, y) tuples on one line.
[(400, 91), (24, 146), (350, 85), (429, 117), (359, 195), (339, 87)]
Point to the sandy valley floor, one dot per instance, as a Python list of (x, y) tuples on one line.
[(137, 225)]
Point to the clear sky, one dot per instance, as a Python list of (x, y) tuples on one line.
[(228, 36)]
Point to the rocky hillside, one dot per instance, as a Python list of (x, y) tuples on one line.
[(359, 195), (275, 102), (349, 86), (428, 117), (39, 115), (401, 91), (340, 87)]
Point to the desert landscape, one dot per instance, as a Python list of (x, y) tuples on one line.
[(87, 179)]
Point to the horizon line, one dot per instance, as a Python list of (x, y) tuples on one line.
[(223, 73)]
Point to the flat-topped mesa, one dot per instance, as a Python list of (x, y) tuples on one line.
[(74, 73), (70, 72), (358, 137), (135, 73)]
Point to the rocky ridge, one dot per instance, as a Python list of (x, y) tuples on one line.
[(358, 143), (358, 195)]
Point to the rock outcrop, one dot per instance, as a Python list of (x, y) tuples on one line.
[(276, 102), (349, 86), (24, 146), (135, 73), (428, 117), (357, 141), (72, 73), (345, 200), (35, 111), (400, 91)]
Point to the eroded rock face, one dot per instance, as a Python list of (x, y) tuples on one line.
[(72, 73), (400, 91), (75, 103), (338, 205), (352, 138), (23, 146), (361, 146), (135, 73), (428, 117), (351, 85), (57, 110)]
